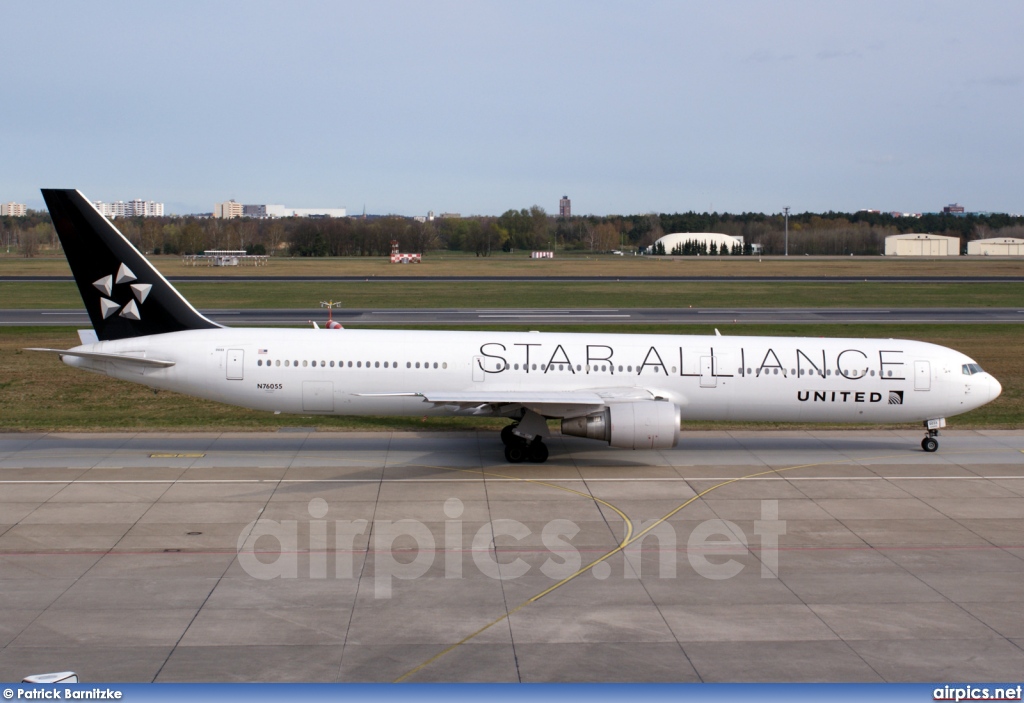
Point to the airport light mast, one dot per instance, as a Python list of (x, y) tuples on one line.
[(786, 211)]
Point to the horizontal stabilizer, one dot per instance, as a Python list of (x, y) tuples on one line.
[(100, 356)]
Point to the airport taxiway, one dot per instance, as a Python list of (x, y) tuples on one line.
[(221, 557)]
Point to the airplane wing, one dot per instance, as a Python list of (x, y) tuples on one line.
[(547, 403), (101, 356)]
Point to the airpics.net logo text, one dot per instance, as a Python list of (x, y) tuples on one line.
[(502, 549)]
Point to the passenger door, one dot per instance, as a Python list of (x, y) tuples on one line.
[(922, 376), (707, 372)]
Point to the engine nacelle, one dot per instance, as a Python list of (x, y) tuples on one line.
[(648, 424)]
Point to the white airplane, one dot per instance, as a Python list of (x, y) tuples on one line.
[(629, 390)]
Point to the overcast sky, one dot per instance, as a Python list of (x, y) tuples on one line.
[(478, 107)]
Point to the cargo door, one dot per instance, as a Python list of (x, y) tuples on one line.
[(922, 376), (318, 396), (234, 364)]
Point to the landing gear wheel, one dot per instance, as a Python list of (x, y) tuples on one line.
[(929, 444), (507, 436), (515, 453), (537, 452)]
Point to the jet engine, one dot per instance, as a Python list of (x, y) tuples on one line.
[(649, 424)]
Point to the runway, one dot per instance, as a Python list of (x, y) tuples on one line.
[(562, 316), (305, 556)]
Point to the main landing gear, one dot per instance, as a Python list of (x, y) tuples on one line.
[(519, 449)]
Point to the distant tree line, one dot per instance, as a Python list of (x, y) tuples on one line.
[(693, 247), (527, 229)]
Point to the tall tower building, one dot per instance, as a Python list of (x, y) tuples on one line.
[(564, 207), (227, 210)]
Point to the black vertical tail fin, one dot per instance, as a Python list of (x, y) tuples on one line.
[(123, 294)]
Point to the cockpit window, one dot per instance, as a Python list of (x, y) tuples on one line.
[(971, 369)]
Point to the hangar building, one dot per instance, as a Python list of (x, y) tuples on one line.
[(678, 239), (922, 245), (997, 246)]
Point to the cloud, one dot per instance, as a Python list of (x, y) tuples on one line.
[(878, 160), (768, 56), (999, 81), (829, 54)]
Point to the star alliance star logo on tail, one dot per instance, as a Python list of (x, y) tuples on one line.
[(106, 285)]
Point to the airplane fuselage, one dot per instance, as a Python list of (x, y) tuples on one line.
[(375, 372)]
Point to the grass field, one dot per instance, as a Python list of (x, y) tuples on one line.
[(548, 294), (39, 393), (566, 264)]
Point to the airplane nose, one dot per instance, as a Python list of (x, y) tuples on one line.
[(995, 388)]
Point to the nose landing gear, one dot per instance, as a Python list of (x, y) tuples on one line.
[(931, 427)]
